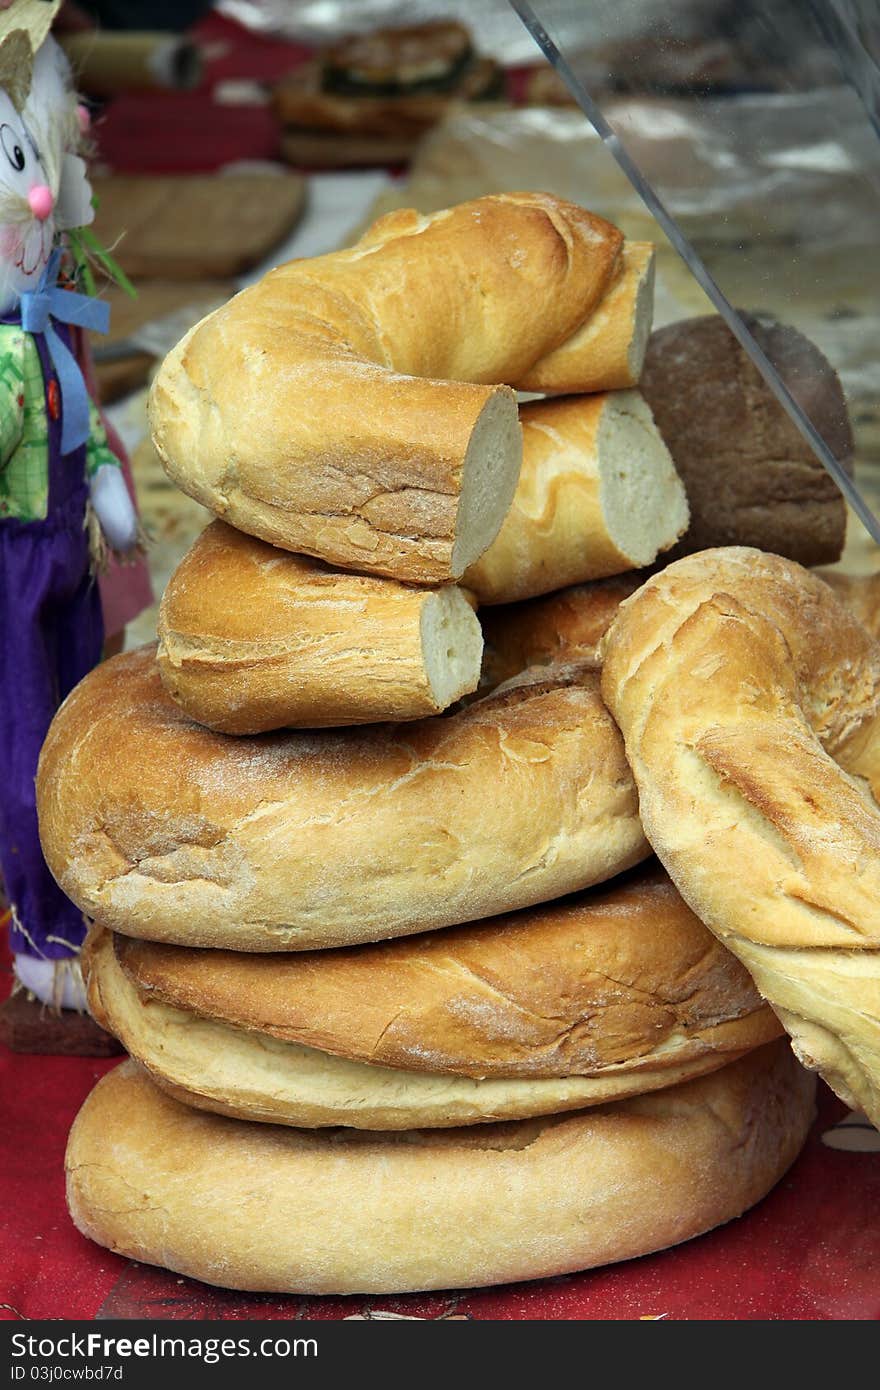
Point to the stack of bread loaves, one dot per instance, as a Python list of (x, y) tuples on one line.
[(407, 1010)]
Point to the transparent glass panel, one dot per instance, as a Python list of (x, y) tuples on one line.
[(750, 130)]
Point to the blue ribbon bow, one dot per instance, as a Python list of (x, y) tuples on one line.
[(39, 308)]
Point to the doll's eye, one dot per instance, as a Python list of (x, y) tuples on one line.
[(11, 148)]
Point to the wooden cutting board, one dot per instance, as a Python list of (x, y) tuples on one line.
[(194, 226)]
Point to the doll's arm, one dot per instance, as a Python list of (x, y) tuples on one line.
[(98, 450), (109, 493), (11, 391)]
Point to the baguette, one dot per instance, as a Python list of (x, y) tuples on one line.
[(343, 406), (253, 638), (608, 351), (273, 1209), (597, 495)]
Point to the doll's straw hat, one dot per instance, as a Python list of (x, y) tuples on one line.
[(23, 27)]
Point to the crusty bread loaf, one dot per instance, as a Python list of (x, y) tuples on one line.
[(267, 1208), (749, 699), (860, 593), (562, 627), (340, 407), (162, 829), (598, 494), (607, 352), (254, 638), (256, 1074), (622, 976), (751, 478)]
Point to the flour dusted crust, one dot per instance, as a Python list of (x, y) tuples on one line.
[(262, 1207), (348, 406), (161, 829), (253, 638), (749, 699)]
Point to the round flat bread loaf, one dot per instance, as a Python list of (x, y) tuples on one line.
[(161, 829), (266, 1208), (623, 977), (254, 1075)]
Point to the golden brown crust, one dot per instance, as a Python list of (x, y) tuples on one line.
[(561, 627), (622, 976), (597, 495), (253, 1074), (607, 352), (266, 1208), (253, 638), (749, 700), (298, 410), (161, 829)]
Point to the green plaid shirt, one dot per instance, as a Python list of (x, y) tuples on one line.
[(24, 430)]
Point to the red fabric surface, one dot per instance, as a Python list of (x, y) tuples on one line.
[(811, 1250), (168, 132)]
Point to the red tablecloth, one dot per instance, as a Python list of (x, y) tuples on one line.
[(811, 1250), (168, 132)]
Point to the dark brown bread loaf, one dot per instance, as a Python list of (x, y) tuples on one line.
[(751, 478)]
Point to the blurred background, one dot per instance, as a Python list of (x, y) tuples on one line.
[(230, 137)]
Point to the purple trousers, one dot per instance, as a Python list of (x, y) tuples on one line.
[(51, 635)]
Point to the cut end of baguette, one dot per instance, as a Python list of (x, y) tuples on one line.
[(452, 646), (643, 501), (488, 479)]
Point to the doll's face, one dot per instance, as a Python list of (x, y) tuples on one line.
[(27, 207)]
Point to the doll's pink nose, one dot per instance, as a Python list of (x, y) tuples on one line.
[(40, 201)]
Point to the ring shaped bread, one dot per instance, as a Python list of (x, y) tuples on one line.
[(161, 829), (609, 994), (749, 699), (347, 407), (262, 1207)]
